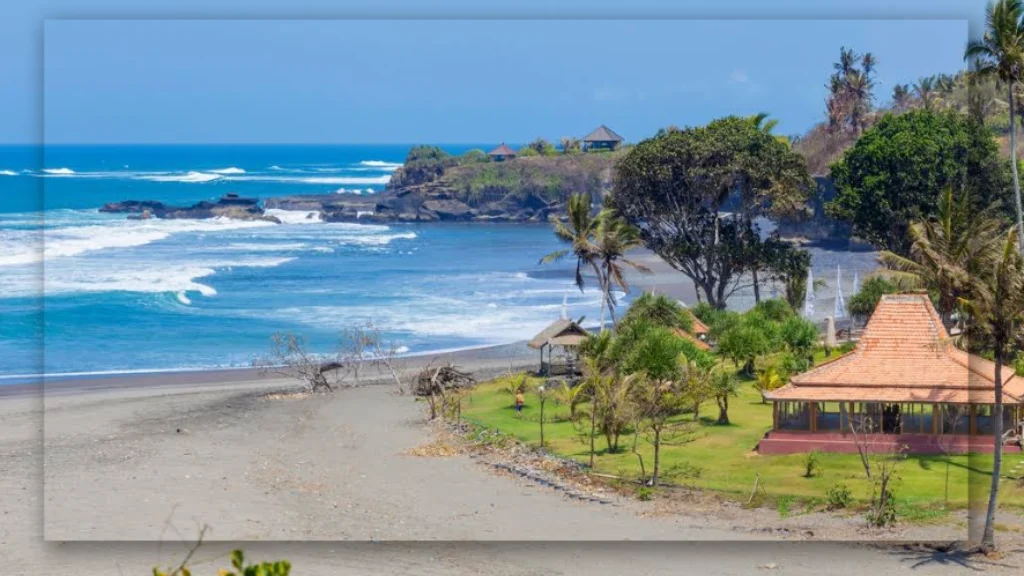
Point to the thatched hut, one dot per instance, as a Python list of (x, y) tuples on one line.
[(562, 332)]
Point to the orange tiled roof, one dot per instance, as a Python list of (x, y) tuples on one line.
[(698, 326), (903, 356), (684, 334)]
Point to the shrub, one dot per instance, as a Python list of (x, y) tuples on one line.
[(526, 152), (812, 464), (475, 155), (863, 303), (783, 504), (768, 380), (791, 364), (644, 493), (838, 497), (884, 512), (1018, 364)]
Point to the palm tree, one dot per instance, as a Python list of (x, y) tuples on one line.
[(900, 97), (947, 251), (996, 304), (1000, 53), (924, 89), (570, 144), (613, 238), (578, 232)]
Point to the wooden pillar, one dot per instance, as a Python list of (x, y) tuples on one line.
[(973, 430), (935, 419), (813, 411), (775, 415)]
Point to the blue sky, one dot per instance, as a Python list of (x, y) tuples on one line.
[(443, 81)]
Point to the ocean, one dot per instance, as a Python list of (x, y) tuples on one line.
[(83, 292)]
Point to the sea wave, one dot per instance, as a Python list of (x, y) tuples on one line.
[(8, 173), (381, 164), (354, 191), (295, 216), (58, 171), (340, 180), (194, 177), (231, 170), (72, 240)]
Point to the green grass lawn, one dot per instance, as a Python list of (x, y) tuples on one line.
[(722, 458)]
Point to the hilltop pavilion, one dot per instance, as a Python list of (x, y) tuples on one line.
[(904, 384), (502, 152), (603, 138)]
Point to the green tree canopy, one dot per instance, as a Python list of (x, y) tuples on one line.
[(674, 186), (659, 309), (894, 173)]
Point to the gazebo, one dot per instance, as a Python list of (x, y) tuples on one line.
[(502, 152), (563, 332), (904, 384), (602, 138)]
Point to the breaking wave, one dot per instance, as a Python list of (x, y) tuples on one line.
[(231, 170), (58, 171)]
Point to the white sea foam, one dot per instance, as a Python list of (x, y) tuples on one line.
[(195, 177), (183, 298), (8, 173), (339, 180), (95, 235), (58, 171), (231, 170), (381, 164), (295, 216), (256, 247)]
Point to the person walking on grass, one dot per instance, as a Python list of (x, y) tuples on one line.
[(520, 400)]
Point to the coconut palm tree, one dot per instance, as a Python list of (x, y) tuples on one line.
[(900, 98), (924, 90), (947, 252), (613, 238), (578, 232), (996, 304), (1000, 53)]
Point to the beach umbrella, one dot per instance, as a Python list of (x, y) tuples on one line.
[(840, 307), (830, 333), (809, 297)]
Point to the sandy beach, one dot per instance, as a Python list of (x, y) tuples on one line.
[(149, 463)]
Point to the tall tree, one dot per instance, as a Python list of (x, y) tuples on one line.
[(613, 238), (894, 173), (578, 232), (947, 251), (1000, 52), (996, 304), (901, 98), (673, 188), (924, 90)]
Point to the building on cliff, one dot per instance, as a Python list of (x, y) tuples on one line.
[(603, 138), (502, 152)]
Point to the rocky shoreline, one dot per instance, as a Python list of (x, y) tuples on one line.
[(428, 202)]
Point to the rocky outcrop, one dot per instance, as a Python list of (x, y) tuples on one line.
[(230, 206)]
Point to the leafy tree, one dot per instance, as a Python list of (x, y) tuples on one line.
[(661, 310), (571, 145), (724, 386), (674, 186), (789, 266), (542, 147), (850, 91), (894, 173), (1000, 53), (745, 341), (422, 164), (658, 403), (767, 380), (864, 302), (526, 152), (799, 335), (475, 155)]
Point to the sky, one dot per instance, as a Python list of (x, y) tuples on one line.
[(512, 74)]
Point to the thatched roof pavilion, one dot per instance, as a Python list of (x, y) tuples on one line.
[(562, 332), (502, 152), (602, 137)]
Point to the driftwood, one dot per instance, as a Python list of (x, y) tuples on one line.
[(437, 381)]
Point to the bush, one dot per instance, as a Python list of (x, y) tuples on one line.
[(863, 303), (790, 364), (475, 155), (884, 512), (526, 152), (644, 493), (783, 504), (838, 497), (812, 464), (1018, 364)]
